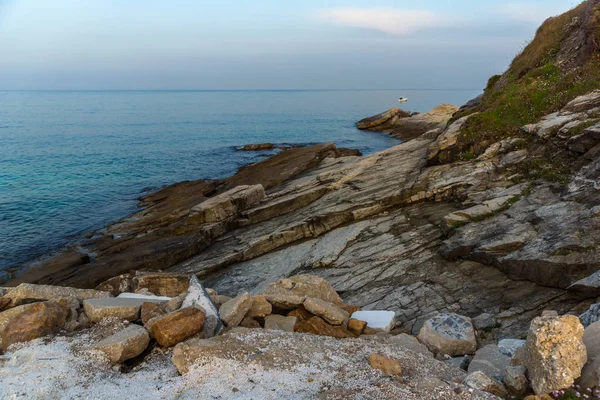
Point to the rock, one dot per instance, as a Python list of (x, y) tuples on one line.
[(356, 326), (381, 321), (281, 323), (446, 145), (301, 313), (591, 315), (31, 321), (249, 323), (555, 352), (235, 310), (260, 307), (175, 303), (585, 141), (520, 357), (461, 362), (590, 374), (220, 299), (289, 293), (4, 302), (149, 311), (328, 311), (450, 334), (509, 347), (475, 213), (226, 205), (584, 103), (516, 381), (380, 119), (484, 321), (162, 283), (117, 285), (170, 329), (27, 293), (385, 365), (125, 344), (115, 307), (144, 295), (317, 326), (490, 361), (480, 381), (198, 297), (257, 147)]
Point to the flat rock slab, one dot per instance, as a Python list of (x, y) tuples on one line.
[(289, 293), (260, 307), (233, 311), (115, 307), (317, 326), (326, 310), (144, 297), (382, 321), (125, 344), (162, 283), (170, 329), (27, 293)]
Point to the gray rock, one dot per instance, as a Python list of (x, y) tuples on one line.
[(484, 321), (509, 347), (125, 344), (590, 374), (234, 311), (516, 381), (480, 381), (490, 361), (461, 362), (197, 296), (591, 315), (449, 334)]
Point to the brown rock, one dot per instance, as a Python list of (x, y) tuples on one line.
[(31, 321), (257, 147), (317, 326), (4, 302), (289, 293), (117, 285), (356, 326), (385, 365), (149, 311), (233, 312), (175, 303), (28, 293), (260, 307), (326, 310), (125, 344), (162, 283), (301, 313), (114, 307), (281, 323), (249, 323), (170, 329), (349, 309)]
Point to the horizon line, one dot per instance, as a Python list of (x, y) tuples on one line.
[(232, 90)]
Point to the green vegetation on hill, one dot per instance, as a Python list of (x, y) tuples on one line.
[(549, 72)]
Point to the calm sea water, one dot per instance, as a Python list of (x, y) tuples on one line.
[(72, 162)]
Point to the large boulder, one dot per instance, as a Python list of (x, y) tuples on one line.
[(449, 334), (197, 296), (289, 293), (234, 311), (125, 344), (31, 321), (170, 329), (555, 352), (28, 293)]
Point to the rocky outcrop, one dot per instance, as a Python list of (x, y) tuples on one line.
[(406, 126)]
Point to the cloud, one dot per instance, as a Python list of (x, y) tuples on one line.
[(529, 12), (392, 21)]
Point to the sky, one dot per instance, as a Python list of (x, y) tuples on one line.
[(262, 44)]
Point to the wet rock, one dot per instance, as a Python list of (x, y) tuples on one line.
[(328, 311), (516, 381), (31, 321), (480, 381), (117, 285), (356, 326), (509, 347), (317, 326), (490, 361), (170, 329), (380, 321), (162, 283), (450, 334), (555, 352), (149, 311), (281, 323), (235, 310), (260, 307), (125, 344), (385, 365), (115, 307), (198, 297), (27, 293), (257, 147)]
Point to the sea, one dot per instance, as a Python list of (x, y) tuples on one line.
[(74, 161)]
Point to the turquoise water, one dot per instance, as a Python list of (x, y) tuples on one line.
[(74, 161)]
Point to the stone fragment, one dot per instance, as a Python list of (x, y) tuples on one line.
[(249, 323), (281, 323), (260, 307), (162, 283), (317, 326), (117, 285), (31, 321), (449, 334), (385, 365), (509, 347), (175, 303), (301, 313), (381, 321), (170, 329), (356, 326), (520, 357), (125, 344), (328, 311), (114, 307), (27, 293), (220, 299), (235, 310), (198, 297), (480, 381), (149, 311), (490, 361), (289, 293), (555, 352), (516, 381)]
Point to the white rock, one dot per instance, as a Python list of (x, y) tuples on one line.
[(140, 296), (198, 296), (379, 320)]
